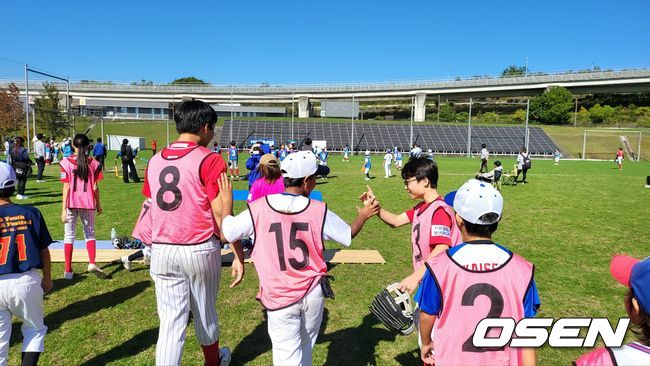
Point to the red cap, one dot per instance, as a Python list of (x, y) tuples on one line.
[(621, 268)]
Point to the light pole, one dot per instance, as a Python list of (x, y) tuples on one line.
[(469, 130)]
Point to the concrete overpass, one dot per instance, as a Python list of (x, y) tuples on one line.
[(620, 81)]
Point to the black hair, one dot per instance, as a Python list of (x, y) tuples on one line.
[(192, 115), (483, 146), (482, 231), (39, 136), (308, 141), (294, 182), (523, 149), (125, 141), (7, 192), (232, 143), (81, 142), (497, 163), (99, 139), (421, 168)]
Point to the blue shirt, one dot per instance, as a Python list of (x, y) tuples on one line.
[(232, 153), (430, 298), (283, 154), (99, 149), (398, 155), (23, 229), (367, 163), (67, 150), (323, 156)]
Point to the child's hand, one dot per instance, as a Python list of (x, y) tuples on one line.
[(367, 196), (410, 283), (64, 217), (427, 355), (47, 284), (225, 189), (369, 210), (99, 210)]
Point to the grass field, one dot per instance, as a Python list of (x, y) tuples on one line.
[(568, 221)]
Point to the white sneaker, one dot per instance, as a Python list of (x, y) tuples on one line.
[(367, 178), (92, 268), (21, 197), (224, 356), (126, 263), (68, 275), (40, 181)]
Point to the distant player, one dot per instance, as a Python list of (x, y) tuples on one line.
[(619, 158), (142, 232), (216, 148), (182, 182), (475, 278), (323, 157), (233, 161), (24, 246), (291, 229), (485, 155), (367, 165), (398, 159), (282, 153), (556, 156), (388, 158), (635, 275), (346, 153), (80, 175)]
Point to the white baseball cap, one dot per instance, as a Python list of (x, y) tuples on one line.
[(301, 164), (475, 199), (7, 176)]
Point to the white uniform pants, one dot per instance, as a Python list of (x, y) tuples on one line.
[(87, 220), (21, 295), (387, 170), (293, 330), (186, 278)]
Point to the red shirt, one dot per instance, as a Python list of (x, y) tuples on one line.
[(210, 171), (440, 217)]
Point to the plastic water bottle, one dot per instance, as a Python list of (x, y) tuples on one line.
[(113, 234)]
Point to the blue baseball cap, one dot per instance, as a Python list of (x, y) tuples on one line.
[(635, 274)]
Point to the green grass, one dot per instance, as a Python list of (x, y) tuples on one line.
[(568, 221)]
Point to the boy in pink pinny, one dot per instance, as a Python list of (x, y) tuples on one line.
[(290, 230), (80, 175), (471, 280)]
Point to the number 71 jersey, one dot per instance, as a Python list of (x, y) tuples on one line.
[(288, 252), (181, 211)]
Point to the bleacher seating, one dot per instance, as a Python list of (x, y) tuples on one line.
[(447, 139)]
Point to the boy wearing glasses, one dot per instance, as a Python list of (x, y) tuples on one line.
[(433, 223)]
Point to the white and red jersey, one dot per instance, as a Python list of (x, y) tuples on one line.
[(470, 296), (288, 252), (619, 154), (142, 229), (427, 230), (634, 354), (81, 194), (181, 190)]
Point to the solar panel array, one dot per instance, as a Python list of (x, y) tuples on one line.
[(378, 137)]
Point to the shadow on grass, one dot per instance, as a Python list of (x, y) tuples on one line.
[(409, 358), (41, 203), (355, 346), (131, 347), (85, 307), (254, 344)]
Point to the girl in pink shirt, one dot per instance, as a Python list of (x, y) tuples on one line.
[(80, 175), (270, 180)]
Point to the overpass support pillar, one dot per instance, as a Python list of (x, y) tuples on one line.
[(303, 107), (420, 107)]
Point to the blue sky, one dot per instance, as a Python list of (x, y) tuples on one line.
[(327, 41)]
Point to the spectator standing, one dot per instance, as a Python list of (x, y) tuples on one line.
[(485, 155), (22, 165), (128, 155), (7, 151), (523, 164), (99, 152), (39, 156), (154, 146), (252, 163)]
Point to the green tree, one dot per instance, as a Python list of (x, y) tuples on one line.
[(50, 119), (189, 80), (519, 116), (602, 114), (553, 107), (447, 113), (513, 70), (11, 110)]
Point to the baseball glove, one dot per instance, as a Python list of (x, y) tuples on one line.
[(393, 308)]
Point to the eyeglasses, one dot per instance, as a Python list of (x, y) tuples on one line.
[(407, 181)]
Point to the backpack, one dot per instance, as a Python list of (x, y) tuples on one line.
[(527, 163)]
